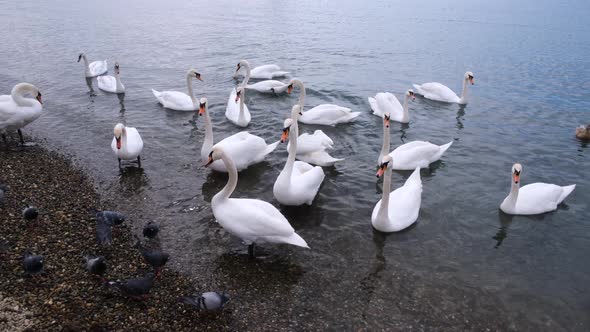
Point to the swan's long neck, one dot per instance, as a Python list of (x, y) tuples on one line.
[(513, 196), (406, 115), (464, 91), (232, 181), (386, 143), (301, 94), (86, 62), (208, 142), (247, 76), (119, 85), (383, 214), (18, 92), (292, 148), (189, 85), (242, 115)]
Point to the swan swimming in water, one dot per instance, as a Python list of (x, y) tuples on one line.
[(440, 92), (252, 220), (111, 84), (385, 102), (180, 101), (94, 68), (17, 111)]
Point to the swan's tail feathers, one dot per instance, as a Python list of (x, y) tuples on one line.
[(418, 89), (156, 93), (566, 191), (271, 147), (319, 158), (325, 139), (296, 240), (280, 73), (415, 177), (443, 149), (373, 104)]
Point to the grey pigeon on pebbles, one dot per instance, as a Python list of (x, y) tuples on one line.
[(30, 213), (151, 230), (154, 257), (104, 221), (137, 288), (33, 264), (95, 265), (209, 301)]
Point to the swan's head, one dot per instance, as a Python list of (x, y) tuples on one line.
[(293, 83), (410, 93), (385, 162), (215, 154), (118, 131), (117, 68), (241, 64), (516, 169), (195, 74), (80, 56), (469, 77), (286, 129), (202, 106), (239, 92), (38, 97), (386, 118)]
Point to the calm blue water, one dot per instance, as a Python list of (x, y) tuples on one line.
[(463, 257)]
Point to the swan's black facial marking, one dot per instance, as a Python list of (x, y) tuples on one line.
[(516, 172), (210, 159), (79, 57), (290, 88), (470, 77), (38, 97), (198, 76)]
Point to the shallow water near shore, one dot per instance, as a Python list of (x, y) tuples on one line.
[(463, 255)]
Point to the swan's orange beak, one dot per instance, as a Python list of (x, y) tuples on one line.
[(285, 135), (290, 88), (516, 178), (201, 109), (381, 170), (39, 97), (118, 143), (472, 80)]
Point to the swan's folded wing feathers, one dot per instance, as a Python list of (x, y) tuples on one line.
[(261, 219)]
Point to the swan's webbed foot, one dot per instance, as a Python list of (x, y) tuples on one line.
[(251, 250), (139, 161), (22, 140)]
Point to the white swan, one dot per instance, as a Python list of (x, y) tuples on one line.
[(298, 182), (439, 92), (312, 148), (533, 198), (410, 155), (235, 112), (252, 220), (262, 72), (385, 102), (328, 114), (111, 84), (180, 101), (17, 111), (94, 68), (244, 149), (269, 86), (398, 210), (127, 144)]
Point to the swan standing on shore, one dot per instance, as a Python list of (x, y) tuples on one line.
[(385, 102), (535, 198), (94, 68), (439, 92), (398, 210), (410, 155), (312, 148), (298, 182), (180, 101), (252, 220), (127, 144), (111, 84), (243, 148), (17, 111), (238, 113)]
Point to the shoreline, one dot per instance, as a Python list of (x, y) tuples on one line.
[(67, 298)]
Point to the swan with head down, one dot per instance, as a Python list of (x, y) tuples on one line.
[(17, 110), (94, 68)]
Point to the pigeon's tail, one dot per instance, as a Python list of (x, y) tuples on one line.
[(190, 301)]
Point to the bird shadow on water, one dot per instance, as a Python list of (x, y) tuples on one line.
[(121, 97), (505, 221), (460, 115), (133, 179), (91, 91)]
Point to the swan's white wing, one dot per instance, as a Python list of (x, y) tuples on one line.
[(375, 106), (307, 178), (328, 114), (320, 158), (267, 71), (8, 112), (414, 154), (319, 141), (13, 117), (244, 148), (438, 92), (175, 100), (388, 103), (107, 83), (404, 202), (268, 86), (232, 110), (5, 98), (538, 198), (98, 67)]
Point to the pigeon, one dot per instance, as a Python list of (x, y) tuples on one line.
[(151, 230), (3, 191), (137, 288), (30, 213), (156, 258), (208, 301), (33, 264), (104, 221), (95, 264)]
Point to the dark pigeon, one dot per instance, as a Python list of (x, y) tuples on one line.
[(30, 213), (154, 257), (209, 301), (151, 230), (33, 264), (3, 191), (104, 221), (137, 288), (95, 265)]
